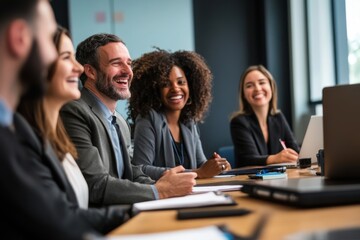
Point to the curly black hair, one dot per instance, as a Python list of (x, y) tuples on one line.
[(152, 70)]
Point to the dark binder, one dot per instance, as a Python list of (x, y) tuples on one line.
[(211, 212)]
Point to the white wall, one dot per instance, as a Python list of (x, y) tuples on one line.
[(142, 24), (299, 70)]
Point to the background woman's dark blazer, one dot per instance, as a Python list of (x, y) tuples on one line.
[(48, 167), (249, 143)]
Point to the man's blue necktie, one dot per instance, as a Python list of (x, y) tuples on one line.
[(116, 135)]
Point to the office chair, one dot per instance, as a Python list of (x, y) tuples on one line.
[(228, 153)]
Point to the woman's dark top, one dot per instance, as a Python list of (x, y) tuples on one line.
[(249, 143)]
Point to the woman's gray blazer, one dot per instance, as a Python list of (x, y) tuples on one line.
[(153, 148)]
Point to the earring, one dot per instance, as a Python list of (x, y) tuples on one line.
[(189, 101)]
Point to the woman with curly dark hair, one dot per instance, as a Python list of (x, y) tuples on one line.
[(170, 93)]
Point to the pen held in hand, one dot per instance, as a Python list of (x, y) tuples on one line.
[(282, 144), (216, 155)]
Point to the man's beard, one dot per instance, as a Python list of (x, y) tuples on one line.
[(33, 74), (108, 89)]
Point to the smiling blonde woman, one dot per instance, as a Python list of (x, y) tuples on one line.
[(259, 131)]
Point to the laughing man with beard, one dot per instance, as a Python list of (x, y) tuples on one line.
[(102, 137)]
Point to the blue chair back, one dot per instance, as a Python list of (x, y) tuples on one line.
[(228, 153)]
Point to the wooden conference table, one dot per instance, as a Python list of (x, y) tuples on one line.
[(282, 220)]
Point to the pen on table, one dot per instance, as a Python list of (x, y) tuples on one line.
[(272, 170), (282, 144)]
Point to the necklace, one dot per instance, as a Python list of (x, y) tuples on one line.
[(179, 155)]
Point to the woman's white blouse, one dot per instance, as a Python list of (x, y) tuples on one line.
[(76, 180)]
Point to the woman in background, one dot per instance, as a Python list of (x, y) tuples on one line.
[(57, 153), (259, 131), (170, 93)]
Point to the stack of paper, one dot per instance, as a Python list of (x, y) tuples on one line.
[(221, 188), (209, 233), (196, 200)]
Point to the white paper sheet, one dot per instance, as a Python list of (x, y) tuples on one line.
[(208, 233), (222, 188), (196, 200)]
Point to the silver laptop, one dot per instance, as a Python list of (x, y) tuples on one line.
[(305, 192), (312, 142), (313, 139), (337, 132)]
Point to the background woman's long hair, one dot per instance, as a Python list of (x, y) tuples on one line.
[(33, 111)]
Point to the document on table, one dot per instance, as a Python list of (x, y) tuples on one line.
[(196, 200), (221, 188), (224, 176), (209, 233)]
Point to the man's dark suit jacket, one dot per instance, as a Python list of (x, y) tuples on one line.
[(30, 207), (249, 143), (89, 130)]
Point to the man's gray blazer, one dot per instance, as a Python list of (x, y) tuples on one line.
[(88, 129)]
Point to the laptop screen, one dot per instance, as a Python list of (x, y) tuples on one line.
[(313, 139), (341, 122)]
